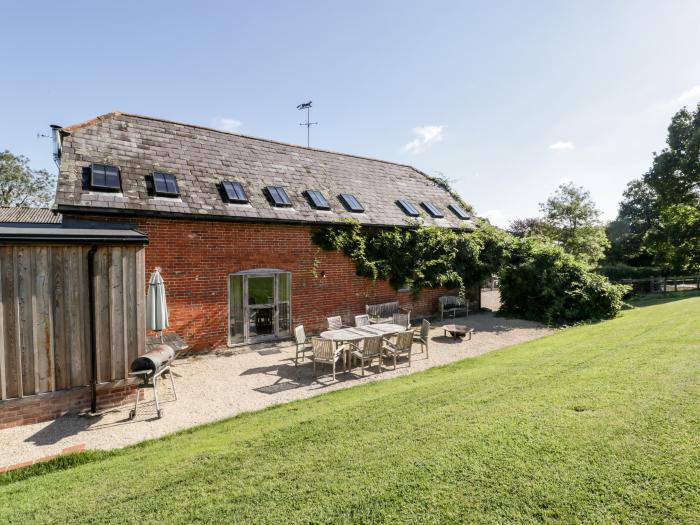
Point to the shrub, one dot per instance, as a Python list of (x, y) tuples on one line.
[(543, 283)]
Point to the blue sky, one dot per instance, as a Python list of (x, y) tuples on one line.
[(506, 99)]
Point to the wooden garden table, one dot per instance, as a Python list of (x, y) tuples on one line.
[(352, 334)]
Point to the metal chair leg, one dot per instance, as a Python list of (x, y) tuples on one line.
[(159, 412), (172, 384)]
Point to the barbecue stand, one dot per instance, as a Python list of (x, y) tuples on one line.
[(149, 368)]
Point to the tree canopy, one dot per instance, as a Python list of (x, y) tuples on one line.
[(656, 216), (570, 219), (21, 186)]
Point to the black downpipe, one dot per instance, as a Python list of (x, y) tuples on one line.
[(93, 336)]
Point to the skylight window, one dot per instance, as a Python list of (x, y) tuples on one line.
[(104, 177), (459, 212), (408, 208), (317, 199), (278, 196), (433, 210), (351, 203), (165, 185), (234, 192)]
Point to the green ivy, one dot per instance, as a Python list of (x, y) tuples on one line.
[(420, 256)]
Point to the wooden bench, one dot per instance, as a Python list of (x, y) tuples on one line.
[(384, 312), (453, 304)]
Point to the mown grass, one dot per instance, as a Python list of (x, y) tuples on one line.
[(597, 423)]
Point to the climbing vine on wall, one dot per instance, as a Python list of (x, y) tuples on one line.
[(419, 256), (539, 280)]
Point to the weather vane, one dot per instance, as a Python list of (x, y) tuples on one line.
[(307, 107)]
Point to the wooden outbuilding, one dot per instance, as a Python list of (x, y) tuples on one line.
[(71, 312)]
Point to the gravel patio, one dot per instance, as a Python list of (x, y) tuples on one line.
[(226, 383)]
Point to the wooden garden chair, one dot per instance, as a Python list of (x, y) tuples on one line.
[(302, 344), (402, 345), (423, 336), (402, 319), (335, 322), (366, 351), (361, 320), (326, 352)]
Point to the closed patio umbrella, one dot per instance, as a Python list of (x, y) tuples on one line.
[(156, 307)]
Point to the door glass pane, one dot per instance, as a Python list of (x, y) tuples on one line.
[(261, 306), (236, 320), (261, 290), (284, 293), (260, 321)]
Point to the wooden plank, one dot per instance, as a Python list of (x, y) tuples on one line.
[(60, 338), (102, 333), (116, 312), (86, 344), (43, 325), (140, 301), (130, 306), (3, 380), (24, 298), (13, 375), (74, 317)]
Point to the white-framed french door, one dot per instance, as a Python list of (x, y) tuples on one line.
[(259, 305)]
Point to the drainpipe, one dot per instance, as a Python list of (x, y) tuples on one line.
[(93, 335)]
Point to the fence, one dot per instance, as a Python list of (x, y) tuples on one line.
[(45, 316), (663, 284)]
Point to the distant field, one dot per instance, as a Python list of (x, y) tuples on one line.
[(595, 424)]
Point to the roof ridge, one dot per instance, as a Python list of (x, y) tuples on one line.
[(111, 114)]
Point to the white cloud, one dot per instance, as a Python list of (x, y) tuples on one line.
[(425, 136), (227, 124), (562, 145), (497, 218), (692, 94)]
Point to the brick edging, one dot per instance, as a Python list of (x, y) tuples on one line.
[(68, 450)]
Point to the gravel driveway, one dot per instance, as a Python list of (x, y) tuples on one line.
[(221, 385)]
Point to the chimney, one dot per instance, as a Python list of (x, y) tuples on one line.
[(56, 138)]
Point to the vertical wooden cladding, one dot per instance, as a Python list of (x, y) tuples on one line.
[(44, 316)]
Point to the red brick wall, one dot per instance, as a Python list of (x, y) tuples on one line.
[(44, 407), (195, 258)]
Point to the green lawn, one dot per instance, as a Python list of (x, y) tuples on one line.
[(597, 423)]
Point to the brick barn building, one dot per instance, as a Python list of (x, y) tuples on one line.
[(229, 220)]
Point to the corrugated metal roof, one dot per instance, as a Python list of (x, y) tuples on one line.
[(29, 215), (60, 234), (203, 158)]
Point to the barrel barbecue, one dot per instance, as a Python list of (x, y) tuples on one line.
[(149, 368)]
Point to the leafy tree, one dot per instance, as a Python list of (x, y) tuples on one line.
[(674, 177), (21, 186), (675, 241), (528, 227), (571, 220), (636, 216), (650, 208)]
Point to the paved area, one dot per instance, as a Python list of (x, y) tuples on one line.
[(220, 385)]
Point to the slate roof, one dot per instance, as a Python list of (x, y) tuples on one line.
[(33, 215), (202, 158)]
